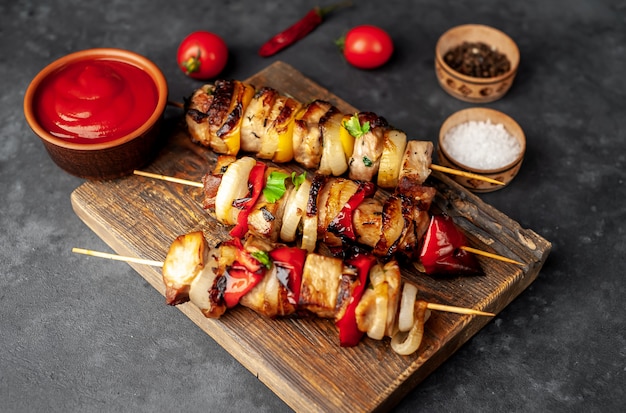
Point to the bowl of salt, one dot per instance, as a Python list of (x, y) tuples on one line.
[(485, 142)]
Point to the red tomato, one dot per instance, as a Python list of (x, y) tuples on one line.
[(367, 47), (202, 55)]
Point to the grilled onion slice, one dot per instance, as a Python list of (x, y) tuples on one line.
[(406, 314), (333, 161), (309, 232), (294, 210), (371, 312), (393, 278), (406, 343), (185, 259), (234, 186), (394, 146), (199, 291)]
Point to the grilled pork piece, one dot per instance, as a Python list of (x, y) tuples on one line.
[(196, 114), (257, 118), (307, 139), (214, 115), (415, 164), (368, 149)]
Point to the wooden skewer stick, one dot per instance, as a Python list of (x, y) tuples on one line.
[(169, 179), (200, 185), (176, 104), (451, 171), (432, 306), (117, 257), (432, 166), (457, 310), (490, 255)]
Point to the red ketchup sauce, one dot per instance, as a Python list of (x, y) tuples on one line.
[(95, 101)]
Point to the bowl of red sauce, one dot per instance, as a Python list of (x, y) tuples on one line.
[(98, 112)]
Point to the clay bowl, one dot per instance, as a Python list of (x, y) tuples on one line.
[(107, 159), (500, 155), (469, 88)]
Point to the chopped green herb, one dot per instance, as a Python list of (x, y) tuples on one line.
[(298, 179), (367, 161), (263, 257), (354, 127), (275, 186)]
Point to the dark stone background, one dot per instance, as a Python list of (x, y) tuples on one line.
[(86, 335)]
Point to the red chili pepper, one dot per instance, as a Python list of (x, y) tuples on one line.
[(349, 333), (298, 30), (256, 181), (290, 264), (342, 225), (441, 252)]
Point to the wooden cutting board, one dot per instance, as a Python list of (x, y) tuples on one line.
[(300, 360)]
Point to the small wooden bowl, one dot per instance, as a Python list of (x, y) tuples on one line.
[(105, 160), (505, 173), (469, 88)]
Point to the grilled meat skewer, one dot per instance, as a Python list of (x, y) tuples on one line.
[(362, 296)]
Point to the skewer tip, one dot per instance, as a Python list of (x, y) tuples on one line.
[(117, 257), (491, 255), (465, 174), (168, 178), (458, 310)]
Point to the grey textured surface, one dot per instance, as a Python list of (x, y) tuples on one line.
[(79, 334)]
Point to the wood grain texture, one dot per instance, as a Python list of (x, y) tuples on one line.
[(300, 360)]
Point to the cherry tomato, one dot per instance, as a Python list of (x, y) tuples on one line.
[(367, 47), (202, 55)]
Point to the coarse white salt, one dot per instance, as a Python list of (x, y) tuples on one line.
[(481, 145)]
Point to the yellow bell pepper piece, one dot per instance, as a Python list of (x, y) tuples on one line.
[(347, 140), (283, 128), (231, 141)]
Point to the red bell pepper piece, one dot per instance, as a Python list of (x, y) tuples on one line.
[(244, 273), (342, 225), (441, 251), (256, 181), (239, 280), (244, 257), (289, 262), (349, 333)]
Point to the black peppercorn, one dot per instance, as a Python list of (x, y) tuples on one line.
[(477, 59)]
